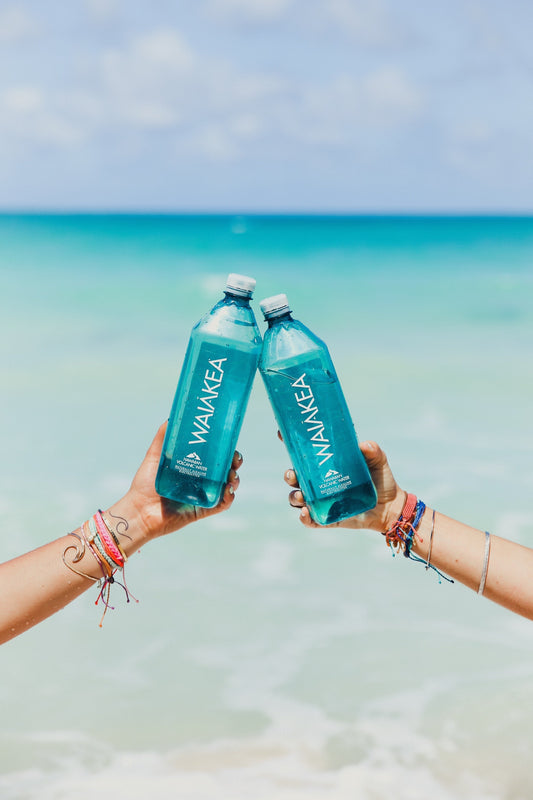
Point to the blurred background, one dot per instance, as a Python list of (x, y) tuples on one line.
[(270, 105), (373, 161)]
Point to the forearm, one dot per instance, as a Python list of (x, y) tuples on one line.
[(454, 549), (39, 583), (459, 551)]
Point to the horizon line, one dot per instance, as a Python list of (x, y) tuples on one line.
[(391, 213)]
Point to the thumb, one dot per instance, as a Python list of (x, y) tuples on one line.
[(155, 448), (373, 454)]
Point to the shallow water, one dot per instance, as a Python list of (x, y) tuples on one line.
[(265, 660)]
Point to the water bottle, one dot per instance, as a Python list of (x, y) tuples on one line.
[(211, 398), (313, 417)]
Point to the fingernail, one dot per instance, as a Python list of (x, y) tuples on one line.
[(239, 455), (231, 490)]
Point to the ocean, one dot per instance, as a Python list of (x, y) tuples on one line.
[(265, 660)]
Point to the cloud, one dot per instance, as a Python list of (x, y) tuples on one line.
[(206, 107), (103, 11), (368, 24), (27, 115), (391, 94), (144, 82), (275, 94), (344, 110), (215, 109), (154, 84), (157, 82), (248, 11), (16, 24), (23, 100), (156, 57), (471, 146)]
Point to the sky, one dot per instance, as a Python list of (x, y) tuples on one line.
[(267, 105)]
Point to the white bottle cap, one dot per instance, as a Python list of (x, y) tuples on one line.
[(275, 305), (240, 284)]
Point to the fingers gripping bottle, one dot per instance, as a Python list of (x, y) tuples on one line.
[(211, 398), (313, 417)]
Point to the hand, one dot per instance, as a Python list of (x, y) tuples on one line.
[(157, 515), (390, 501)]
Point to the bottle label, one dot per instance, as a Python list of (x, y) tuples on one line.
[(197, 437), (334, 481), (207, 400), (190, 465), (305, 399), (321, 428)]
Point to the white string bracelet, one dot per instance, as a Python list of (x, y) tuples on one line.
[(428, 562)]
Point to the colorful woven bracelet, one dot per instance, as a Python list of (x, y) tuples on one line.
[(88, 539), (402, 533), (100, 541), (397, 535), (99, 548), (103, 519), (413, 527), (103, 555), (107, 542)]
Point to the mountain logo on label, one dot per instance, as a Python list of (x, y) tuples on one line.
[(331, 474), (194, 457)]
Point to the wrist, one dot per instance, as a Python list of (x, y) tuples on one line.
[(128, 524), (393, 510)]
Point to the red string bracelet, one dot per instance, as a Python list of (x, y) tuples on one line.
[(397, 535), (401, 534)]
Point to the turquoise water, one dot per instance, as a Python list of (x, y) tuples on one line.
[(265, 660)]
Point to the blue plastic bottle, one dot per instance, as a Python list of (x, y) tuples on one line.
[(313, 417), (211, 398)]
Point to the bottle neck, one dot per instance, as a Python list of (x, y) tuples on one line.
[(285, 317), (240, 299)]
